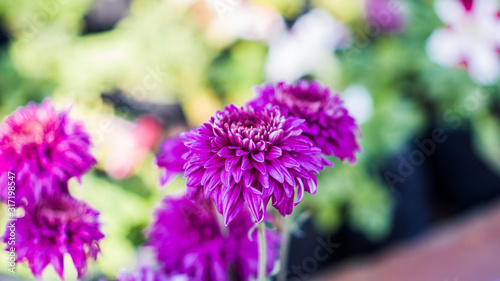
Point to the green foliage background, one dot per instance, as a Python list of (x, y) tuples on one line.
[(50, 57)]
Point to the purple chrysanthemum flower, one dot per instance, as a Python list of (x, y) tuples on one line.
[(55, 227), (43, 148), (251, 155), (189, 240), (147, 273), (327, 123), (171, 159), (388, 16)]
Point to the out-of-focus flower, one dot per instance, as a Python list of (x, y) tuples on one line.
[(146, 273), (170, 159), (228, 20), (128, 144), (299, 51), (247, 21), (386, 15), (251, 155), (327, 123), (471, 38), (189, 241), (43, 148), (54, 227), (359, 102)]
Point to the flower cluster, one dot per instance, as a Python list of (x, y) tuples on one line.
[(44, 149), (267, 151), (200, 248)]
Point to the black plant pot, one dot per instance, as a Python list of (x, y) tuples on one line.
[(434, 179)]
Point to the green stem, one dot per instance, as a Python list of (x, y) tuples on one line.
[(285, 246), (262, 252)]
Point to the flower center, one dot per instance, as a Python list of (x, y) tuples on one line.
[(31, 132), (303, 99), (55, 213), (467, 4), (254, 127)]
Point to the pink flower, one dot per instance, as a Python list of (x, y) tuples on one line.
[(128, 145)]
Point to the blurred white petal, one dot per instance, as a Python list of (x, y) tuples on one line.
[(250, 22), (484, 65), (288, 59), (318, 27), (485, 8), (449, 11), (359, 102), (179, 278), (443, 47), (497, 34), (296, 53)]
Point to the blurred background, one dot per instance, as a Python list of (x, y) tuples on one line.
[(421, 203)]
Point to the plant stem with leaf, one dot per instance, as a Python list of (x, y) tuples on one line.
[(262, 252)]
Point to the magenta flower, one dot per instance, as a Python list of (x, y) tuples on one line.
[(251, 155), (55, 227), (189, 241), (327, 123), (171, 159), (386, 15), (43, 148)]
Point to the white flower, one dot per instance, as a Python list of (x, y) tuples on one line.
[(247, 21), (471, 37), (240, 19), (359, 102), (297, 52)]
